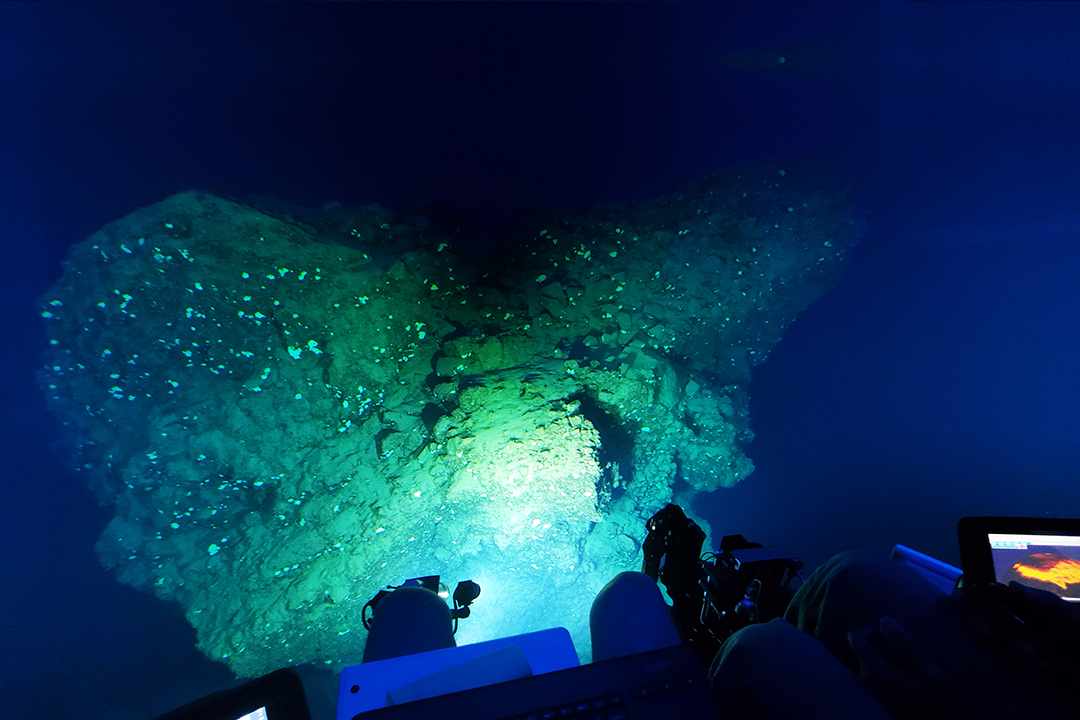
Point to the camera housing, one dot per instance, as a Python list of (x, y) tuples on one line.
[(716, 594), (464, 594)]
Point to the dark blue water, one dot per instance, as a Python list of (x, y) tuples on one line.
[(940, 378)]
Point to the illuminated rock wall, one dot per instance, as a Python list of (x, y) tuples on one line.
[(288, 414)]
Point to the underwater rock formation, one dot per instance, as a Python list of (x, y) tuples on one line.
[(287, 414)]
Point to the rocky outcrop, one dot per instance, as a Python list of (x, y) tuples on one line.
[(287, 414)]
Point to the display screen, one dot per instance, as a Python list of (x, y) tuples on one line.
[(1046, 562), (259, 714)]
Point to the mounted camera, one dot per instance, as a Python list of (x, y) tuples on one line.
[(464, 594), (715, 594)]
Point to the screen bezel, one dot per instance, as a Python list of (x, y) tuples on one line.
[(280, 694), (976, 557)]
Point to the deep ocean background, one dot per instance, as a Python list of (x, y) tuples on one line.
[(940, 378)]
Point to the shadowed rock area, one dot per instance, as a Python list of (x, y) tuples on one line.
[(289, 411)]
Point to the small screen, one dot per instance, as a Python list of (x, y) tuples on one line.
[(259, 714), (1046, 562)]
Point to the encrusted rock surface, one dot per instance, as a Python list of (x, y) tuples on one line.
[(287, 414)]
